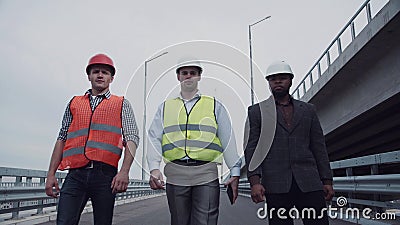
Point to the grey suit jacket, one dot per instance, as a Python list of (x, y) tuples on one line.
[(282, 153)]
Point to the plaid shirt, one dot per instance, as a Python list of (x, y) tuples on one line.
[(130, 130)]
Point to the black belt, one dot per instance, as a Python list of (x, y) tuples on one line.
[(189, 162), (96, 164)]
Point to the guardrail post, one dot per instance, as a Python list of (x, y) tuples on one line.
[(319, 69), (328, 58), (368, 8), (42, 181), (349, 172), (339, 44), (353, 32), (18, 181), (40, 209), (15, 205), (376, 197), (29, 181)]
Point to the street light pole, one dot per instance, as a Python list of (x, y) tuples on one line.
[(145, 109), (251, 60)]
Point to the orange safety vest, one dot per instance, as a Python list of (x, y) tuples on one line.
[(93, 135)]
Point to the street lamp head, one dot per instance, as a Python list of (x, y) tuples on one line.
[(155, 57), (267, 17)]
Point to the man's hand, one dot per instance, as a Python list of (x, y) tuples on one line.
[(55, 160), (51, 182), (120, 182), (234, 183), (258, 193), (156, 180), (329, 192)]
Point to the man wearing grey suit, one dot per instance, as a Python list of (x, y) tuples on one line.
[(285, 154), (192, 132)]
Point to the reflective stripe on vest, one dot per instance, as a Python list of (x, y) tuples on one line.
[(93, 135), (193, 133)]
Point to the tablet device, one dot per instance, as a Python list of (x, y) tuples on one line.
[(229, 191)]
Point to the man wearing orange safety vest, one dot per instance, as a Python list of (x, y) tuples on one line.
[(95, 128)]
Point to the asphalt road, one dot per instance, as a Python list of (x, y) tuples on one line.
[(154, 211)]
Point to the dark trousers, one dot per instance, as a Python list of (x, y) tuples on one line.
[(79, 186), (194, 205), (306, 203)]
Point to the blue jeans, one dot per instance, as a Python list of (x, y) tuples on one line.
[(82, 184)]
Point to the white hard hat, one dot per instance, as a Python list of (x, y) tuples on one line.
[(188, 61), (279, 67)]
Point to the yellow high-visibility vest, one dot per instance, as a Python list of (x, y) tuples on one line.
[(192, 134)]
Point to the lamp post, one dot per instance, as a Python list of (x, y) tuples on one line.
[(251, 60), (145, 107)]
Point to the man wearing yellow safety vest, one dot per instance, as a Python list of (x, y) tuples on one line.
[(192, 132), (95, 128)]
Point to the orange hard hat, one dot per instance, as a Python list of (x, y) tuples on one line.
[(100, 59)]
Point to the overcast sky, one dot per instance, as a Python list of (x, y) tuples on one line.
[(45, 46)]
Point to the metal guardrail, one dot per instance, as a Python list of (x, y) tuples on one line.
[(26, 177), (374, 185), (388, 184), (383, 184), (24, 193), (318, 67), (369, 160)]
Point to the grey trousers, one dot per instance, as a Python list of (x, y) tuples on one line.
[(194, 205)]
